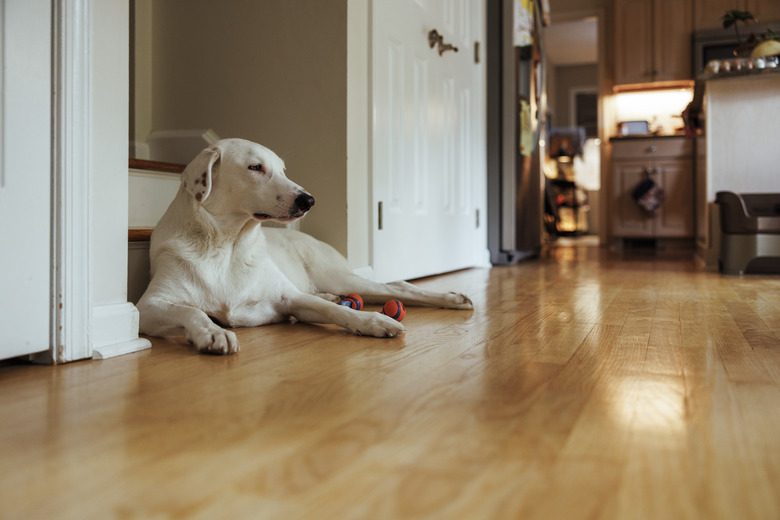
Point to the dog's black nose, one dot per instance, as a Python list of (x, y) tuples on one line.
[(304, 202)]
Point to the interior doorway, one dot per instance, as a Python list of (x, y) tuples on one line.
[(573, 52)]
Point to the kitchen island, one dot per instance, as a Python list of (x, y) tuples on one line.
[(739, 150)]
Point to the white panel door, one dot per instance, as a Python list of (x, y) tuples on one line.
[(25, 175), (429, 168)]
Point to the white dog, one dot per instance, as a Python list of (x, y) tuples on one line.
[(212, 261)]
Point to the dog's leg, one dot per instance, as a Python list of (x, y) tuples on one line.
[(313, 309), (161, 318), (409, 294), (335, 298), (331, 274)]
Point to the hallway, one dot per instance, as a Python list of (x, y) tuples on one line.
[(585, 384)]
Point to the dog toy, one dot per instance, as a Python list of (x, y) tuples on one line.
[(353, 301), (395, 309)]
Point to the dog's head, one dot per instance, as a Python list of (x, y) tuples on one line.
[(239, 176)]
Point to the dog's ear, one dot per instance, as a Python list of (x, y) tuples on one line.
[(196, 177)]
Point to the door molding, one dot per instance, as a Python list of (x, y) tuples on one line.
[(71, 202)]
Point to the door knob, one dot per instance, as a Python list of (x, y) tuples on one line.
[(434, 38)]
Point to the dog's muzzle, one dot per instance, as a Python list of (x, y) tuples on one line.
[(298, 209), (303, 203)]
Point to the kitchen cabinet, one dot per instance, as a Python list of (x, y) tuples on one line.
[(767, 11), (652, 41), (668, 161), (708, 14)]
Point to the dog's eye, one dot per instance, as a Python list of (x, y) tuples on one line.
[(257, 168)]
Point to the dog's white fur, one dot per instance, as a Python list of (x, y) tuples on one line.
[(212, 260)]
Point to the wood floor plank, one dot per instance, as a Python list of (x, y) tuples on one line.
[(585, 384)]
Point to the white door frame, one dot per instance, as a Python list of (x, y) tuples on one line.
[(70, 321)]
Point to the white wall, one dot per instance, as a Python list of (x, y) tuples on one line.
[(109, 151), (114, 322)]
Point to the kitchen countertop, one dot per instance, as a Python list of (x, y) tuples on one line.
[(742, 73)]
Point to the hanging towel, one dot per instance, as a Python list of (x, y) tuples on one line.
[(649, 196)]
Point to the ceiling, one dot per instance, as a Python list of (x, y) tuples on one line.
[(572, 43)]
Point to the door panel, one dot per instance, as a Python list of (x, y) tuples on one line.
[(25, 176), (428, 138)]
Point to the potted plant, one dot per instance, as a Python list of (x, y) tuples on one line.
[(760, 46)]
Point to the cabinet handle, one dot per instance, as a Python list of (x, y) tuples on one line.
[(652, 149)]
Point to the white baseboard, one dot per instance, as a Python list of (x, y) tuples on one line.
[(115, 331)]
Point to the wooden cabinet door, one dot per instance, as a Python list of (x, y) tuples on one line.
[(628, 219), (708, 14), (633, 46), (767, 11), (652, 40), (673, 25), (675, 217)]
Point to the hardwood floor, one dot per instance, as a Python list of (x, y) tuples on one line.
[(583, 386)]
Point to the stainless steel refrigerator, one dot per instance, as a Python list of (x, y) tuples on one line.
[(516, 122)]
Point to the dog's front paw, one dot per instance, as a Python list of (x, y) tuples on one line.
[(458, 301), (378, 325), (215, 341)]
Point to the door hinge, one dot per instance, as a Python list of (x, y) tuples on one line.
[(379, 217), (477, 217), (476, 53)]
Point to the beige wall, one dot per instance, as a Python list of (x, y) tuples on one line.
[(266, 72), (140, 76), (358, 135), (568, 77)]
